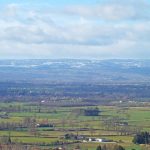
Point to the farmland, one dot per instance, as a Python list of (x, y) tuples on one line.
[(69, 120)]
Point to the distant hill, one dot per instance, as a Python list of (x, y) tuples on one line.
[(72, 70)]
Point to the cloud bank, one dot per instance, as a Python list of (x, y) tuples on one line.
[(111, 29)]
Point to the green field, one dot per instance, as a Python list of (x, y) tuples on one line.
[(68, 120)]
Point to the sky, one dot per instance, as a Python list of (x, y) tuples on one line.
[(88, 29)]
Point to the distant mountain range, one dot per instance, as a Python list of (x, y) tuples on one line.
[(73, 70)]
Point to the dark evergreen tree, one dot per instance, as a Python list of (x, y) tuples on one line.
[(118, 147), (99, 148), (142, 138)]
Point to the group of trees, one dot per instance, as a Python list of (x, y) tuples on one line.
[(5, 140), (10, 125), (92, 93), (18, 146), (86, 112), (91, 112), (110, 147), (142, 138), (120, 126)]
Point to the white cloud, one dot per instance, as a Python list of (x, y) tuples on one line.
[(103, 31), (106, 12), (113, 10), (11, 10)]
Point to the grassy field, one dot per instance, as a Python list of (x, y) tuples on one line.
[(67, 120)]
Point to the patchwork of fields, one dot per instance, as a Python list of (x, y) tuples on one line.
[(46, 126)]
